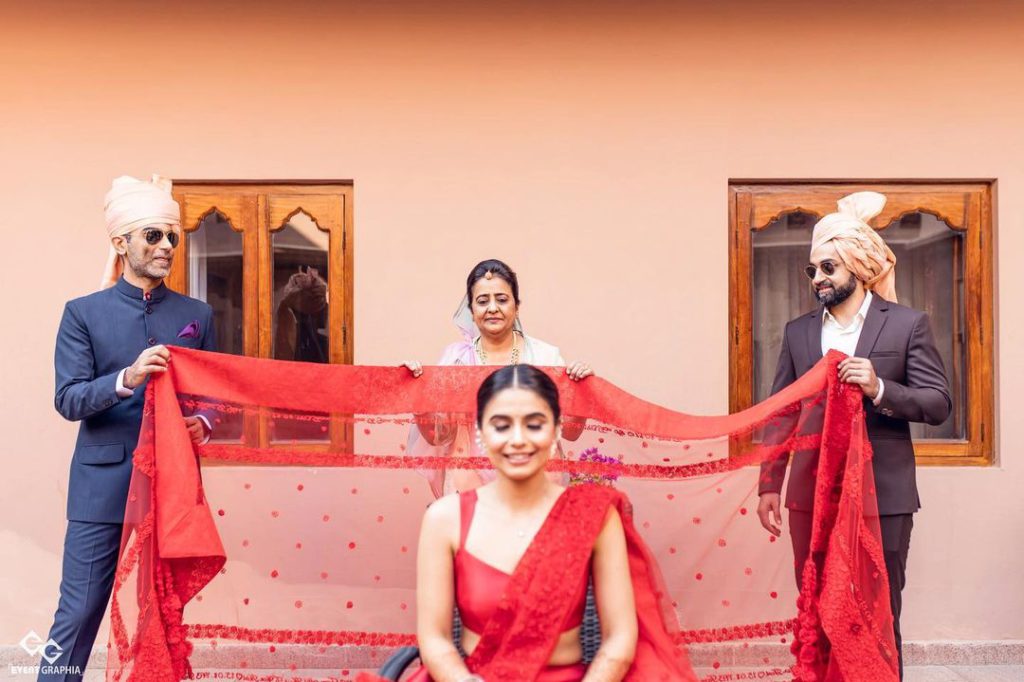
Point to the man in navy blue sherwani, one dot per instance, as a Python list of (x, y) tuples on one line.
[(108, 345)]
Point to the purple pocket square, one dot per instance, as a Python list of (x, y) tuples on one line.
[(191, 330)]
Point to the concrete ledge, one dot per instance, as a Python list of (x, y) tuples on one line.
[(226, 656), (994, 652)]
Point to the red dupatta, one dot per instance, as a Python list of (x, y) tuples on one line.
[(287, 543)]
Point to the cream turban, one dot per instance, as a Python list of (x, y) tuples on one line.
[(859, 246), (131, 204)]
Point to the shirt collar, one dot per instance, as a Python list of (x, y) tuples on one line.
[(862, 313), (132, 291)]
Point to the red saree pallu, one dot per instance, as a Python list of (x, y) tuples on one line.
[(285, 547)]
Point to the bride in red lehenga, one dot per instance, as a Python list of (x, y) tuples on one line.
[(516, 556)]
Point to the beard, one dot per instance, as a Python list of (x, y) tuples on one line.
[(837, 294), (148, 269)]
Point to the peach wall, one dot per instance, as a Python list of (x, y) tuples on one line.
[(589, 145)]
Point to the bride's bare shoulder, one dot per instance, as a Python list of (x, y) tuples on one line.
[(443, 511)]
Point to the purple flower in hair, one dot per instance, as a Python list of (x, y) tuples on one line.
[(594, 456), (190, 331)]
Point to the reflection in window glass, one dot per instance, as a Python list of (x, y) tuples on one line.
[(301, 331), (780, 290), (929, 277), (301, 328), (215, 276)]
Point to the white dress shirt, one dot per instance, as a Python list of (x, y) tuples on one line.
[(844, 339)]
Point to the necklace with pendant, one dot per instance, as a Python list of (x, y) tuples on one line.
[(513, 357), (521, 533)]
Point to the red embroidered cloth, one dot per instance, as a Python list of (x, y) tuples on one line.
[(285, 548)]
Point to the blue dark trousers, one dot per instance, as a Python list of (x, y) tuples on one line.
[(90, 559)]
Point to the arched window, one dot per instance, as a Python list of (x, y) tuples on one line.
[(941, 234), (274, 261)]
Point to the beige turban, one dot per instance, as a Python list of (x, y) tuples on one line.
[(859, 246), (131, 204)]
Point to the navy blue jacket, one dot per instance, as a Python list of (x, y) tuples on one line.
[(101, 334)]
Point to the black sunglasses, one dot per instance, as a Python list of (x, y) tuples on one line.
[(154, 235), (828, 267)]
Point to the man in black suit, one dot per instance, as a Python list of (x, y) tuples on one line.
[(894, 360)]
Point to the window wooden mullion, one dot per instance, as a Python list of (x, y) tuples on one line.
[(340, 429), (986, 359), (978, 370), (336, 271), (266, 285), (348, 294), (250, 268), (957, 377), (741, 366), (264, 305)]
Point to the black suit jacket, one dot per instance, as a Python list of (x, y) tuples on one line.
[(899, 342)]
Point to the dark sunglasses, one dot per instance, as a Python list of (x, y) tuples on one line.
[(154, 235), (828, 267)]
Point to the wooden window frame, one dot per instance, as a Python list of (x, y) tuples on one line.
[(964, 205), (257, 209)]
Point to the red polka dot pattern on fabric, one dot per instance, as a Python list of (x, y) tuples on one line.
[(320, 514)]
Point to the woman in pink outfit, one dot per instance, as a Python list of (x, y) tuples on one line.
[(488, 320)]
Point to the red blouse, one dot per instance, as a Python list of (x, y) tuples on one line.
[(479, 586)]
